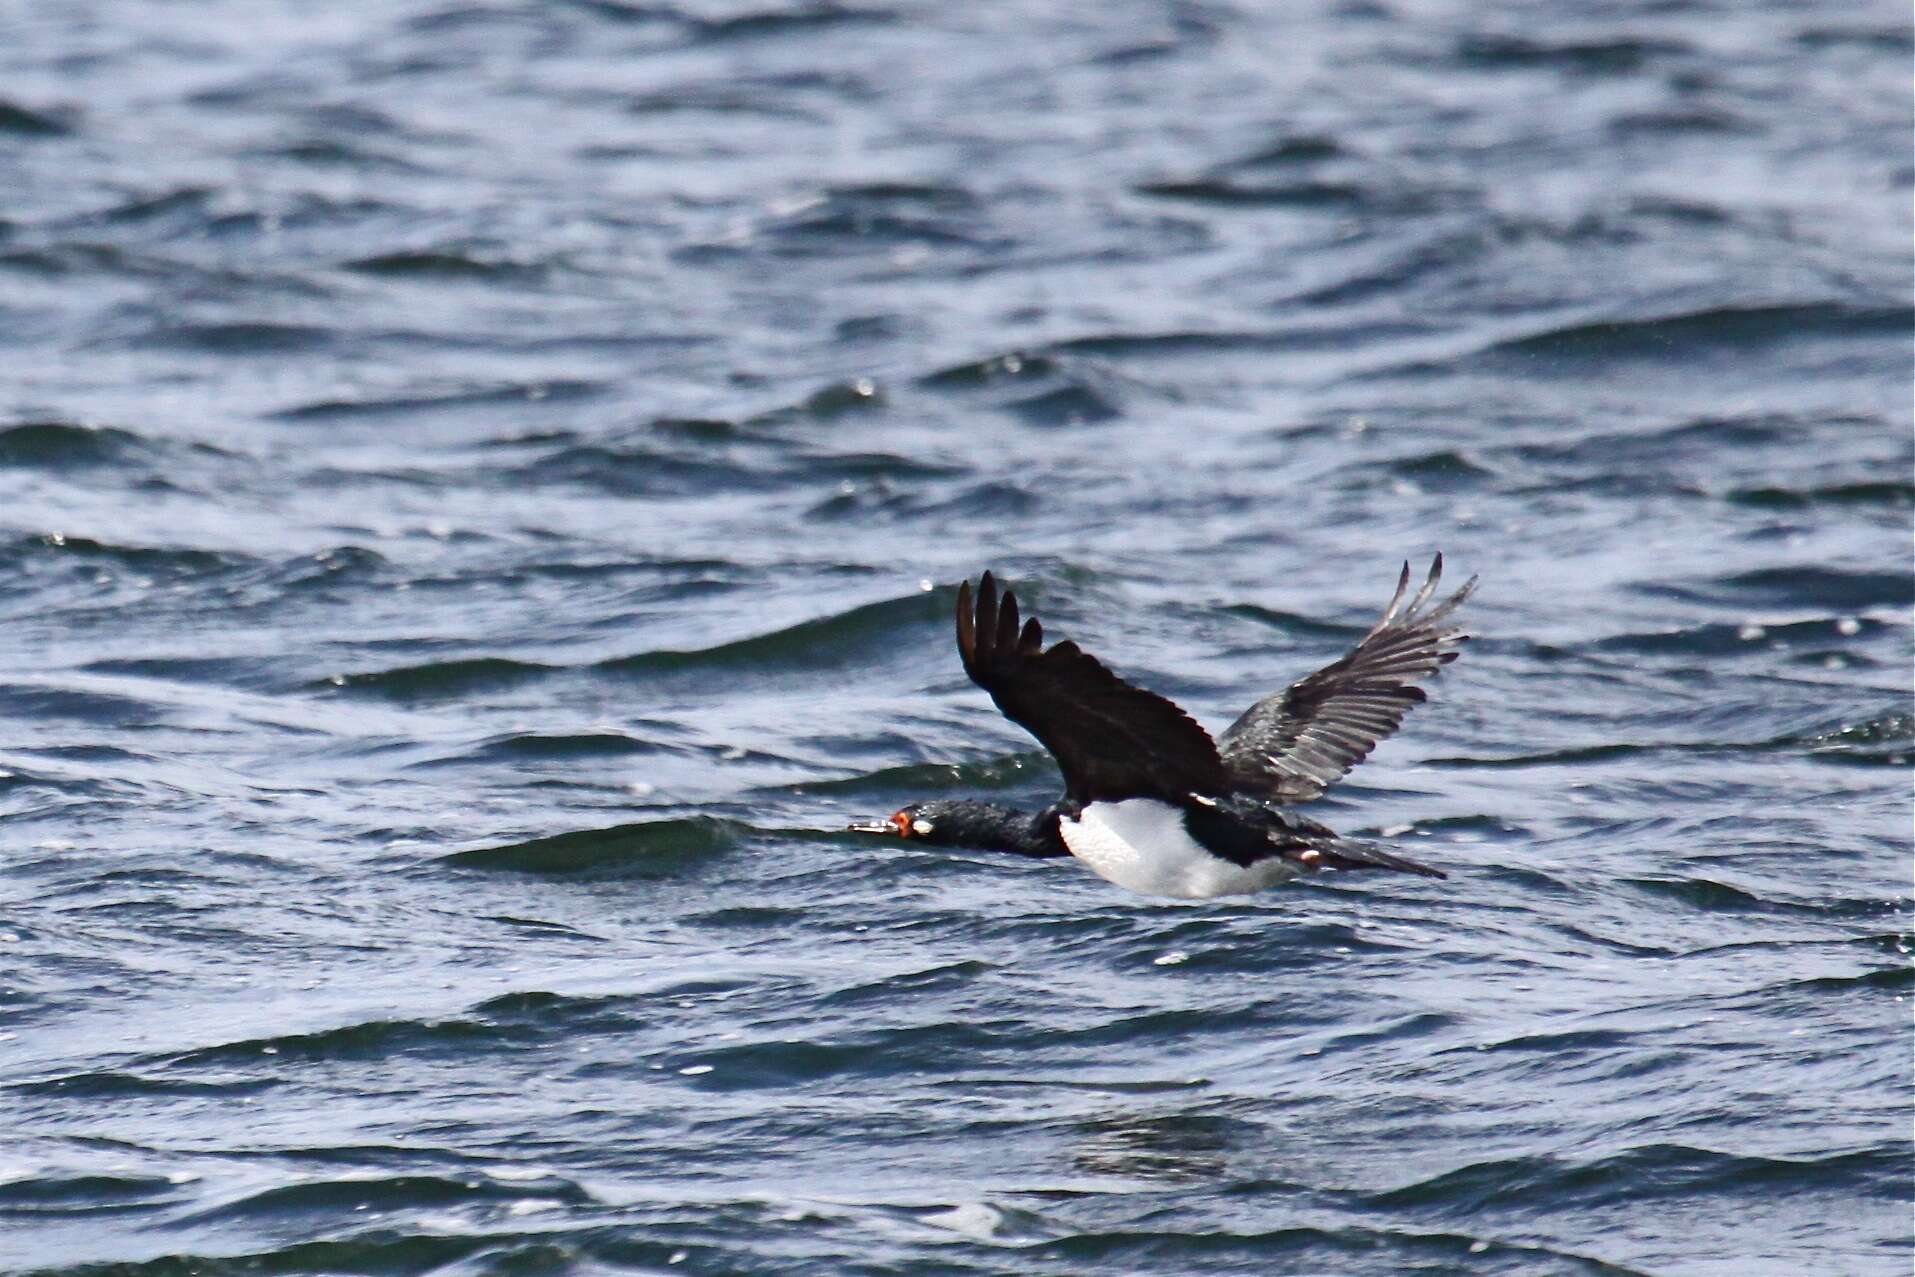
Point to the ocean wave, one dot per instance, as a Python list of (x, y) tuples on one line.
[(639, 848)]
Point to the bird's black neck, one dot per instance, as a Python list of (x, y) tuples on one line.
[(988, 827)]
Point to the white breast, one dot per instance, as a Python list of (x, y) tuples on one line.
[(1141, 843)]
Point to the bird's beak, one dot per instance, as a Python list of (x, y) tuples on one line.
[(898, 823)]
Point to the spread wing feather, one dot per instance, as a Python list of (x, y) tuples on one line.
[(1293, 745), (1111, 740)]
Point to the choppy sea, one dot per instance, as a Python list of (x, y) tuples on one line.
[(482, 484)]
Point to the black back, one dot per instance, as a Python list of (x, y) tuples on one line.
[(1244, 830), (962, 822)]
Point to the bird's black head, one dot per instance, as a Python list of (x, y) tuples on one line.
[(943, 824), (962, 823)]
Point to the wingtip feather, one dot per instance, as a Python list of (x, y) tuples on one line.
[(1429, 586), (966, 627), (984, 619), (1005, 640), (1396, 600)]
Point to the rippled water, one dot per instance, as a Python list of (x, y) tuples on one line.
[(483, 485)]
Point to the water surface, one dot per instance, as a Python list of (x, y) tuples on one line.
[(481, 492)]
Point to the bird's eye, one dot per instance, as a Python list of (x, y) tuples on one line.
[(922, 828), (903, 824)]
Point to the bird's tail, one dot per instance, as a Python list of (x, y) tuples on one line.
[(1345, 853)]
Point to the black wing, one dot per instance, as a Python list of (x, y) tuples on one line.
[(1111, 740), (1294, 745)]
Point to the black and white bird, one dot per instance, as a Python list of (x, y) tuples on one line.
[(1151, 802)]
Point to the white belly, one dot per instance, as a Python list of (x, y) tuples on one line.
[(1142, 844)]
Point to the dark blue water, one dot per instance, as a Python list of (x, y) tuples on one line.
[(480, 492)]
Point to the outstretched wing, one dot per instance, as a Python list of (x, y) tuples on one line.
[(1297, 743), (1111, 740)]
